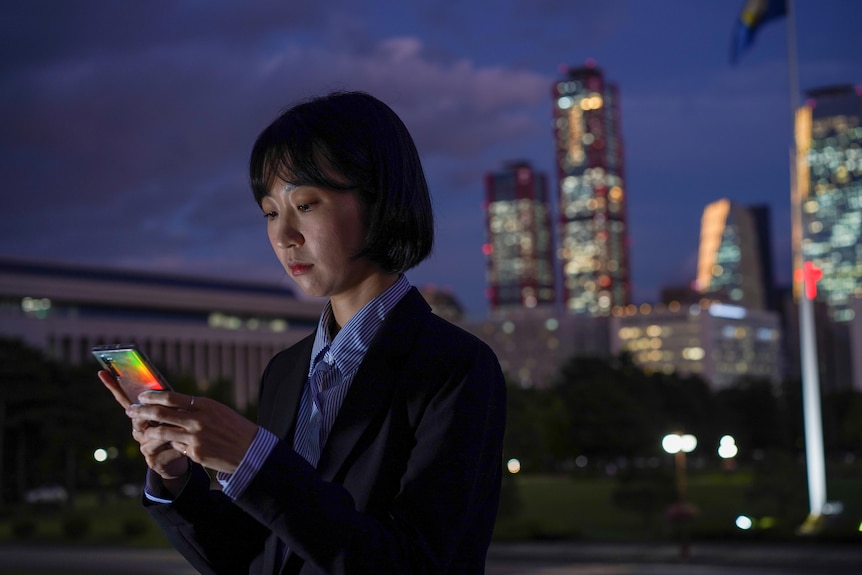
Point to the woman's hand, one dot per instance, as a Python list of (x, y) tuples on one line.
[(169, 463), (208, 432)]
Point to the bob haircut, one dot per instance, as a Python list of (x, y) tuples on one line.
[(352, 141)]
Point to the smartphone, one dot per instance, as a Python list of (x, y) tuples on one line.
[(131, 368)]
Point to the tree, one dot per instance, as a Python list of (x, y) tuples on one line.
[(536, 428), (52, 417), (611, 404), (687, 404), (24, 373), (752, 413), (842, 421)]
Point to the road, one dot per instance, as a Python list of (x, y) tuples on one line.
[(508, 559)]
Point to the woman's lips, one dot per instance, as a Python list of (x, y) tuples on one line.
[(299, 269)]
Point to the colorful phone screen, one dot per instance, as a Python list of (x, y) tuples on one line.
[(131, 369)]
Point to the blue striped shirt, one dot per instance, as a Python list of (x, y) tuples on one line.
[(345, 353)]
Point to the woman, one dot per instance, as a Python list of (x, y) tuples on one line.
[(378, 444)]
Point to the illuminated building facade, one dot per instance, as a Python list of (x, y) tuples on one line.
[(734, 258), (207, 329), (719, 342), (829, 148), (533, 344), (593, 230), (519, 248)]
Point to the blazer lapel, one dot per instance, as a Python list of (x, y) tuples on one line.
[(374, 384), (288, 380)]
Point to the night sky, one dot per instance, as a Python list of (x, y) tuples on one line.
[(126, 126)]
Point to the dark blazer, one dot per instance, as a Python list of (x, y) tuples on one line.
[(409, 478)]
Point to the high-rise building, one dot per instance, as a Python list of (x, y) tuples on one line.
[(593, 230), (829, 172), (734, 258), (763, 230), (519, 249)]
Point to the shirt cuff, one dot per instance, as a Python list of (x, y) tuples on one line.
[(234, 484), (155, 490)]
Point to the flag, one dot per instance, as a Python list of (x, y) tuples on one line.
[(755, 13)]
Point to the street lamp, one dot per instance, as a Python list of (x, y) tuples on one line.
[(678, 444), (727, 450), (513, 465)]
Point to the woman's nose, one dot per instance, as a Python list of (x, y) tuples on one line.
[(287, 235)]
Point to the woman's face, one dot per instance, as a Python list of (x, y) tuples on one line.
[(315, 232)]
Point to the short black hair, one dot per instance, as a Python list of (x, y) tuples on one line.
[(365, 143)]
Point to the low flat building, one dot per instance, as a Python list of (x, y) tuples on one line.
[(208, 329), (532, 344), (719, 342)]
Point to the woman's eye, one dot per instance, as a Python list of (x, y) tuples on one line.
[(304, 207), (269, 215)]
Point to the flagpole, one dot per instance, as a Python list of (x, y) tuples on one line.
[(814, 455)]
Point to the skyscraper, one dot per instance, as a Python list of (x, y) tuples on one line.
[(734, 257), (519, 249), (829, 171), (593, 232)]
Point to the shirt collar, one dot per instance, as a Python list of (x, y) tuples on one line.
[(351, 342)]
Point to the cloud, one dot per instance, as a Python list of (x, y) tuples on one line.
[(452, 109), (127, 129), (127, 126)]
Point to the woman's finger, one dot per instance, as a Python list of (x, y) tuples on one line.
[(114, 387), (168, 399), (165, 434)]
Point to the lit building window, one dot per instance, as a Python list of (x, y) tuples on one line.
[(38, 307), (693, 353)]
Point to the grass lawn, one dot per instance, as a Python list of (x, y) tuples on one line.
[(564, 507), (550, 507), (121, 522)]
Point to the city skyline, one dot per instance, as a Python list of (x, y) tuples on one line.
[(127, 129)]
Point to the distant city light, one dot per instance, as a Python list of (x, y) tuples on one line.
[(810, 274), (674, 443), (513, 465), (726, 311), (100, 455), (833, 508), (727, 447), (693, 353), (744, 522), (30, 304)]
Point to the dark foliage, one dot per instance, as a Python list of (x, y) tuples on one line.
[(609, 410)]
